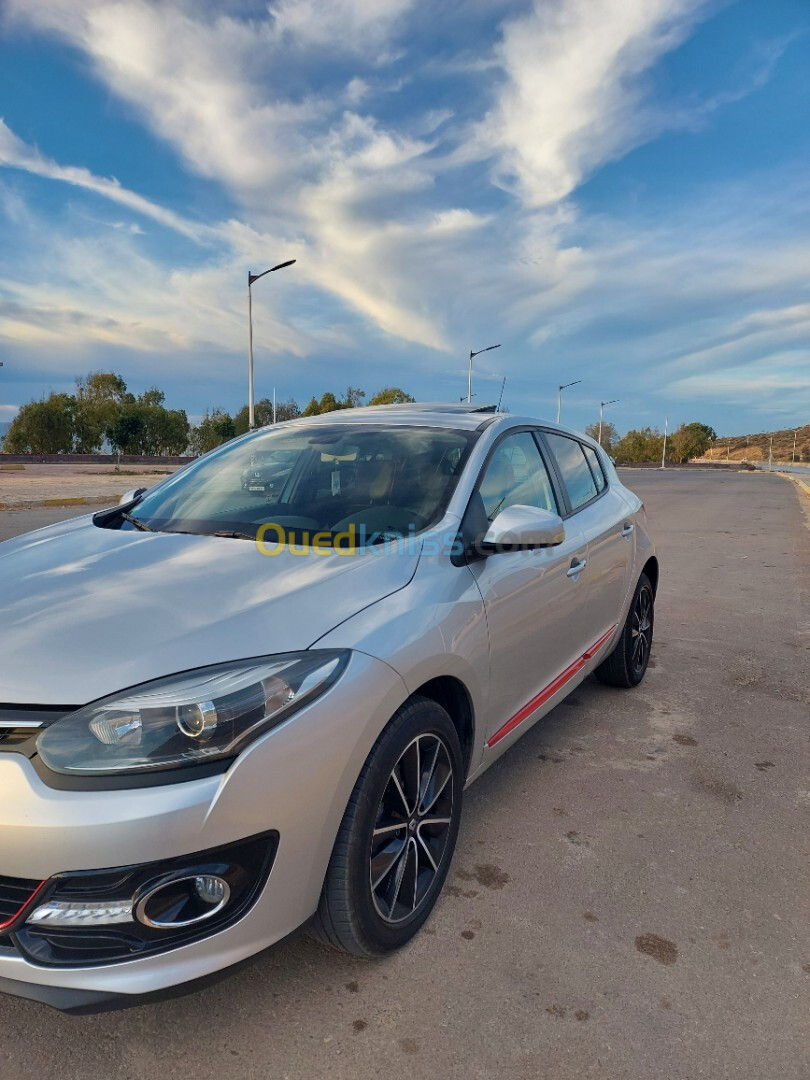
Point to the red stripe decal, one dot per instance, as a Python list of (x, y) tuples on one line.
[(27, 904), (550, 690)]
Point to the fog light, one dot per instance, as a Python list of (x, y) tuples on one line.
[(211, 889), (82, 913), (183, 901)]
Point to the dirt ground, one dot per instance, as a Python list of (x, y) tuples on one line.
[(38, 485)]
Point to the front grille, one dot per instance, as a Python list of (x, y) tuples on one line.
[(15, 893)]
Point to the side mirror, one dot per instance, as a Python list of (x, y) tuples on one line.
[(130, 496), (524, 527)]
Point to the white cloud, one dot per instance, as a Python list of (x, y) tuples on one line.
[(17, 154), (572, 98), (350, 25), (774, 384)]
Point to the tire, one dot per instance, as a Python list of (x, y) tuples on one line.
[(379, 890), (627, 664)]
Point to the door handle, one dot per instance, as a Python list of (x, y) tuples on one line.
[(627, 531), (576, 567)]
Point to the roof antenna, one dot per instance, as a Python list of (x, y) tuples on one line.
[(500, 399)]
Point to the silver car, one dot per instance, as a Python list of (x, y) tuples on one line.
[(223, 717)]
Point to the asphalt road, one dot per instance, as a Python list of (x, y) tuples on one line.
[(629, 897)]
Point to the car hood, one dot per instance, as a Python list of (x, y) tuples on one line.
[(87, 611)]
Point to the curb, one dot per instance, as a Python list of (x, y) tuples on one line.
[(801, 484)]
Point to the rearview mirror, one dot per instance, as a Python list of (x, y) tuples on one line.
[(524, 527)]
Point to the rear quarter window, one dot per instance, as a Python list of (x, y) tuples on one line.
[(596, 467), (574, 469)]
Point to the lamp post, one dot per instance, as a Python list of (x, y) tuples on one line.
[(560, 389), (469, 369), (664, 451), (251, 279), (602, 405)]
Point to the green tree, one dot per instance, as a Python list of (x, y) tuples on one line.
[(262, 415), (165, 431), (635, 447), (287, 410), (104, 386), (354, 398), (126, 432), (42, 427), (312, 408), (152, 396), (214, 429), (176, 431), (610, 435), (391, 395), (90, 421), (329, 403), (690, 441), (99, 397)]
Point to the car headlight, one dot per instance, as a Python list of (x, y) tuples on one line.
[(188, 719)]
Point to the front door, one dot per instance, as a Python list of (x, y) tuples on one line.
[(532, 598)]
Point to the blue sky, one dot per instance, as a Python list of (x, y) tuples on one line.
[(618, 191)]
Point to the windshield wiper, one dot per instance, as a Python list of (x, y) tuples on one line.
[(236, 535), (136, 522)]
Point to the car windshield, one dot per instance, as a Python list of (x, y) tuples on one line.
[(370, 481)]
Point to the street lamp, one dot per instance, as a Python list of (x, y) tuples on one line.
[(664, 451), (602, 405), (560, 389), (251, 279), (469, 369)]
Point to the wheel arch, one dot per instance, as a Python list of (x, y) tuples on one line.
[(650, 568), (454, 698)]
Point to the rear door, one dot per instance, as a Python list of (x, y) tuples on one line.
[(602, 515)]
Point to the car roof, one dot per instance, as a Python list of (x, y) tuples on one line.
[(440, 414), (428, 414)]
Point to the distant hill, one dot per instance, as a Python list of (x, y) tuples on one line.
[(757, 447)]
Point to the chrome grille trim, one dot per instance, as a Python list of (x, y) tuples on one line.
[(20, 725)]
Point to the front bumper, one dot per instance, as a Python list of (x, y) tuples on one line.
[(296, 780), (87, 1002)]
